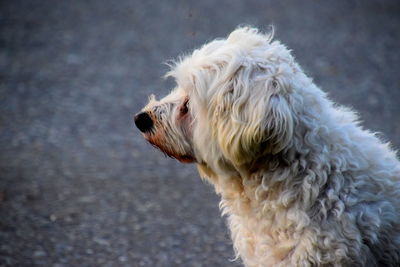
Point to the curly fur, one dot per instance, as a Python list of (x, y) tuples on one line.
[(302, 184)]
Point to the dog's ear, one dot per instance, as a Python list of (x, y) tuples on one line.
[(278, 124), (254, 118)]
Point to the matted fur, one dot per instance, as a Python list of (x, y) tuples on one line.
[(302, 184)]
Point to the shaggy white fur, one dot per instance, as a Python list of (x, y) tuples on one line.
[(302, 184)]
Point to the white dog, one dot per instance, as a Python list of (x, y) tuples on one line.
[(301, 182)]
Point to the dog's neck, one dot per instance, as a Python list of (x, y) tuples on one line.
[(267, 206)]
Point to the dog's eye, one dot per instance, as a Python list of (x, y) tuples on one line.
[(183, 109)]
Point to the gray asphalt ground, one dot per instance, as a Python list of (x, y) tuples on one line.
[(78, 184)]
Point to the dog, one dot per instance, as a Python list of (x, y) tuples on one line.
[(301, 182)]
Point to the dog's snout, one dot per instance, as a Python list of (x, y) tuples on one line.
[(144, 122)]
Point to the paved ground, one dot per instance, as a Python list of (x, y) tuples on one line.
[(79, 186)]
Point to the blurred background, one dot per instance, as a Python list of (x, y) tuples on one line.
[(78, 184)]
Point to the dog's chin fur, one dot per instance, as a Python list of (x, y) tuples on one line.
[(302, 184)]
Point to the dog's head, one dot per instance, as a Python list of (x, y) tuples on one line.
[(232, 103)]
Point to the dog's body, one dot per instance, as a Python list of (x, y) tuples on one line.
[(301, 182)]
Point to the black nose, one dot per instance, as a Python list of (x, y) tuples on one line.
[(143, 122)]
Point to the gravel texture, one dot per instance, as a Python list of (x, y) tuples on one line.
[(78, 184)]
